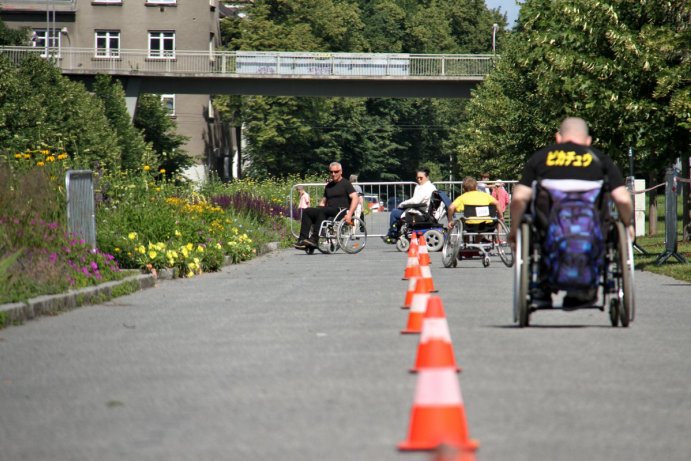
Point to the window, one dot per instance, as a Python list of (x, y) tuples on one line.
[(168, 101), (107, 44), (119, 2), (162, 45), (48, 39), (160, 2)]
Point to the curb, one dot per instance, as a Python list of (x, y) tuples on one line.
[(18, 313)]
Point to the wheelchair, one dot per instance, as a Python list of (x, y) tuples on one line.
[(426, 222), (614, 270), (466, 240), (336, 233)]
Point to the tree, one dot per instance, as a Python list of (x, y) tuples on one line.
[(612, 63), (133, 148), (40, 106), (12, 37), (159, 130)]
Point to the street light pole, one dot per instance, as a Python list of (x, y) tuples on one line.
[(494, 38)]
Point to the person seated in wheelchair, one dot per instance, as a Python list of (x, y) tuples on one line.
[(419, 201), (567, 186), (339, 194), (473, 197)]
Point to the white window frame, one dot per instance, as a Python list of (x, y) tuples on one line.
[(169, 2), (108, 51), (54, 40), (168, 103), (117, 2), (163, 36)]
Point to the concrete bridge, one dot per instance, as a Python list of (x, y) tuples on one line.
[(272, 73)]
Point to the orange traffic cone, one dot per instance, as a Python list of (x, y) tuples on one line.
[(450, 453), (426, 278), (435, 349), (423, 252), (413, 261), (418, 307), (438, 415), (412, 282)]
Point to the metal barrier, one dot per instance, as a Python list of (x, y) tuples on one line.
[(379, 199), (81, 217), (262, 63)]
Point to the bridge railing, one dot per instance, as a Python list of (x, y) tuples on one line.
[(258, 63)]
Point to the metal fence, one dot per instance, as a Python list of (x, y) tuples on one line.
[(242, 63), (383, 197)]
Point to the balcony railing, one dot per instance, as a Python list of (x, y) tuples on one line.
[(261, 63)]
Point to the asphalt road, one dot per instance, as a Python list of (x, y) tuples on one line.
[(296, 357)]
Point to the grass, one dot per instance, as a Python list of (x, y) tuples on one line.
[(655, 246)]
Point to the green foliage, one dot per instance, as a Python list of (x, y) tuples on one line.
[(134, 150), (159, 130), (616, 64), (38, 105), (12, 37), (380, 139)]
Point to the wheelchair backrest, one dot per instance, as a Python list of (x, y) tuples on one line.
[(570, 215), (438, 204)]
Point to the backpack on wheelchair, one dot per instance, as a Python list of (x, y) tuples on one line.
[(569, 241)]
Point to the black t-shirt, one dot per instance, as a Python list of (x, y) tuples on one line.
[(337, 193), (571, 161)]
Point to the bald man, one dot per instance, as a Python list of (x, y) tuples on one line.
[(570, 158)]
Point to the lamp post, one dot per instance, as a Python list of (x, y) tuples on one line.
[(495, 27)]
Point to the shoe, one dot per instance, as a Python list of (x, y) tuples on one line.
[(388, 240), (300, 245), (309, 243)]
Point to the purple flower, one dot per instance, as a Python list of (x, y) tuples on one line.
[(94, 265)]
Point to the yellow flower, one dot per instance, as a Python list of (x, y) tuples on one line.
[(45, 152), (158, 189), (160, 246), (178, 233), (27, 156), (117, 250), (200, 249), (152, 254), (189, 247), (190, 274), (132, 235), (141, 249), (50, 158), (63, 156), (184, 251), (40, 164), (17, 156), (147, 167), (162, 170)]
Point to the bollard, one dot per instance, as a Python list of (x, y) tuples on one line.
[(670, 220), (81, 216)]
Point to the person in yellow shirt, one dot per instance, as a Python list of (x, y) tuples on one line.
[(470, 196)]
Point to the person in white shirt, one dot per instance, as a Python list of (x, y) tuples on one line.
[(421, 196)]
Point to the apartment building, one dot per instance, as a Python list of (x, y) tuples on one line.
[(161, 27)]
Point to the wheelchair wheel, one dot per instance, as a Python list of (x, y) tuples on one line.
[(434, 239), (503, 246), (352, 237), (450, 248), (402, 244), (328, 245), (625, 262), (485, 261), (521, 314)]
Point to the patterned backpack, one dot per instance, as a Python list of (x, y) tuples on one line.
[(573, 243)]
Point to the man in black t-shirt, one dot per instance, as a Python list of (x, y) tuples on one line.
[(571, 158), (339, 193)]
